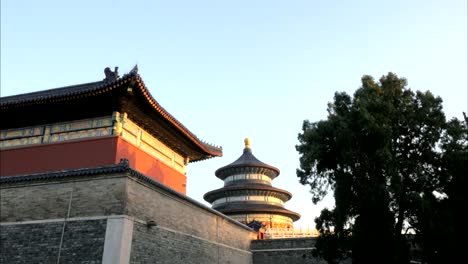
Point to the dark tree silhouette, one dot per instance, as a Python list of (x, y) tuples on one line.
[(389, 157)]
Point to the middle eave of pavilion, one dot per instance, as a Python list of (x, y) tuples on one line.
[(245, 189)]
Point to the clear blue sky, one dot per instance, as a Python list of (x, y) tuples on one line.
[(235, 69)]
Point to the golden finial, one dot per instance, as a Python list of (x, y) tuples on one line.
[(247, 142)]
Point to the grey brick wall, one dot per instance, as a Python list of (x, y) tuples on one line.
[(31, 213), (83, 242), (308, 242), (279, 251), (96, 197), (33, 243), (158, 245), (148, 203)]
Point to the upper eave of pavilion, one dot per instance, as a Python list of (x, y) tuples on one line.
[(247, 161), (124, 94)]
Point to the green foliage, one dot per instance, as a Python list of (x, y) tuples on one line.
[(334, 244), (439, 221), (384, 153)]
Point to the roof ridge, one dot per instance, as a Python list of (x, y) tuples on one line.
[(208, 146), (111, 82)]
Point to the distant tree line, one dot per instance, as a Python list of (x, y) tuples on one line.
[(397, 169)]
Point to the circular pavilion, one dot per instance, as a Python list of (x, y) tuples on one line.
[(248, 194)]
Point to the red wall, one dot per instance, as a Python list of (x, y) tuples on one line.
[(151, 166), (58, 156), (87, 153)]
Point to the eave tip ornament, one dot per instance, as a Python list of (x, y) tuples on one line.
[(247, 142)]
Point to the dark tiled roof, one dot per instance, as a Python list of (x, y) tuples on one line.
[(227, 190), (83, 172), (72, 93), (246, 160), (243, 208), (46, 95)]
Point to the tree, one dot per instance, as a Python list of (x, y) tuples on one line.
[(440, 225), (382, 155)]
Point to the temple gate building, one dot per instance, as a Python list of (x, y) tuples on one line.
[(95, 124), (96, 173), (248, 194)]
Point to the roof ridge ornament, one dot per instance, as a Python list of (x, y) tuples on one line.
[(111, 75), (247, 142), (134, 69), (124, 162)]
